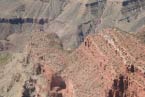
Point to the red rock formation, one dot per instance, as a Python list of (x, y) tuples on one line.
[(93, 70), (103, 57)]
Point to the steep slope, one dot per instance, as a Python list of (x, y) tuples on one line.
[(27, 15), (128, 15), (140, 34), (70, 20), (106, 64), (101, 60), (77, 20), (68, 17), (27, 73)]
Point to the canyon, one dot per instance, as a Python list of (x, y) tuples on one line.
[(72, 48), (70, 20), (107, 64)]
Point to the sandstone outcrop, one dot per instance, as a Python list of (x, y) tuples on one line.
[(107, 64)]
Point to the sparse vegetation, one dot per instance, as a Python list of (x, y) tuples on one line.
[(4, 58)]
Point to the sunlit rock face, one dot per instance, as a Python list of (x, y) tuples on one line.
[(72, 48), (108, 63)]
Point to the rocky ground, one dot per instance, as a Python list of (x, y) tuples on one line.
[(140, 34), (108, 63), (72, 48)]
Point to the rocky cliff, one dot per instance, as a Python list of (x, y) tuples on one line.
[(68, 18), (71, 20), (106, 64), (64, 48)]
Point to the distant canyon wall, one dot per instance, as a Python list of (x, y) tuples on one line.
[(71, 20)]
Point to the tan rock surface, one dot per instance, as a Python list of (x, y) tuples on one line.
[(90, 70)]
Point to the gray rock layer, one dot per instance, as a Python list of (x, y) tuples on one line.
[(71, 20)]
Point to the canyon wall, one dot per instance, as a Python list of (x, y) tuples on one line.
[(71, 20)]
